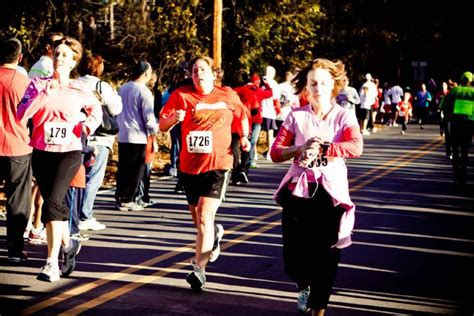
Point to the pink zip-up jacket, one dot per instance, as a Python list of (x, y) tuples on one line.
[(341, 129), (59, 111)]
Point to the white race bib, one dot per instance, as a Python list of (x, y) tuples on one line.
[(57, 133), (321, 162), (199, 142)]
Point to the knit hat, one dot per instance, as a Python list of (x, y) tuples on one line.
[(255, 78), (466, 77)]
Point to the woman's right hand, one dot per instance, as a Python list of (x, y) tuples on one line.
[(311, 143)]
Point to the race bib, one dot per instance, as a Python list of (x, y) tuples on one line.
[(199, 142), (56, 133), (320, 162)]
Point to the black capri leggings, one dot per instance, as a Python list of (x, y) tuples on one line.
[(54, 172), (310, 227)]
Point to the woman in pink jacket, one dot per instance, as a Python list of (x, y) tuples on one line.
[(63, 112), (318, 214)]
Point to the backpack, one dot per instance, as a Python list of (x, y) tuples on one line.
[(109, 125)]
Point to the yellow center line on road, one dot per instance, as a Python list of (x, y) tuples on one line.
[(161, 273), (436, 142), (407, 158), (132, 269)]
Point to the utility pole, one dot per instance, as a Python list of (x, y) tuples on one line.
[(217, 34), (111, 20)]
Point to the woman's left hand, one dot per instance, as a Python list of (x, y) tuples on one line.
[(245, 144)]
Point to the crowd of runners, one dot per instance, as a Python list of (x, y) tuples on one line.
[(57, 132)]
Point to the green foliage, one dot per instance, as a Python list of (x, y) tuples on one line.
[(282, 33)]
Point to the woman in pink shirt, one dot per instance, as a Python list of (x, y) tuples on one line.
[(63, 112), (314, 194)]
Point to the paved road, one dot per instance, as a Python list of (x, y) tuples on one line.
[(413, 251)]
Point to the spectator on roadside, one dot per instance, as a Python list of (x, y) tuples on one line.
[(58, 128), (44, 68), (206, 112), (99, 145), (91, 33), (314, 193), (15, 153), (136, 122), (143, 194)]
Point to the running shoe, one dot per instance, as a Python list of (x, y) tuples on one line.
[(197, 278), (37, 237), (17, 257), (80, 237), (303, 296), (130, 206), (243, 177), (69, 257), (91, 224), (216, 249), (49, 273)]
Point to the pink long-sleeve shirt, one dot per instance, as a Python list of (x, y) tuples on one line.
[(341, 129), (58, 114)]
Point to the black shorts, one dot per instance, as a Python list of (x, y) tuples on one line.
[(269, 124), (364, 114), (211, 184)]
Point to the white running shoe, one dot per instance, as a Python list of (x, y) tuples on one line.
[(91, 224), (216, 249), (49, 273)]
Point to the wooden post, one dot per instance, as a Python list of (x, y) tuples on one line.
[(217, 35)]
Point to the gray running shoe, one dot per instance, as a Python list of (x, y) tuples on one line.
[(80, 236), (216, 249), (197, 278), (69, 257), (303, 296)]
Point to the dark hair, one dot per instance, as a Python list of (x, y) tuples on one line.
[(10, 50), (92, 65), (240, 78), (48, 39), (139, 69), (336, 68)]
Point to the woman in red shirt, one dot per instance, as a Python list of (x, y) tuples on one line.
[(206, 113)]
